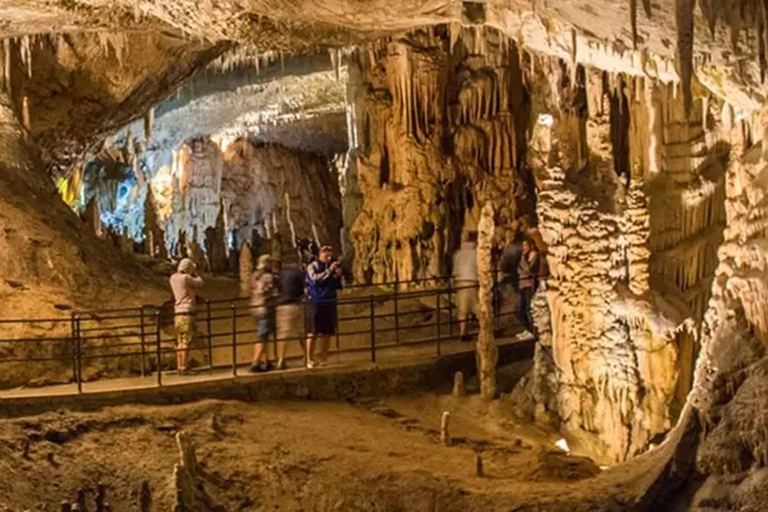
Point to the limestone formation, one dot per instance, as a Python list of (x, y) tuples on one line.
[(409, 96), (487, 353), (445, 429), (632, 140), (458, 384), (246, 269)]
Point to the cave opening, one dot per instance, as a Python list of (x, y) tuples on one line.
[(400, 134)]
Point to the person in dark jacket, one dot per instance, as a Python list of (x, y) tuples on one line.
[(323, 280), (289, 319), (528, 281)]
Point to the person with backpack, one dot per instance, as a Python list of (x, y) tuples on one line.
[(264, 294), (184, 284)]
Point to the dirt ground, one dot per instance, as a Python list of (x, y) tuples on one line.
[(378, 454)]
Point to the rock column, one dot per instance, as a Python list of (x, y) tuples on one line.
[(487, 354)]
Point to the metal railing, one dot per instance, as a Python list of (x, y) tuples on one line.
[(138, 341)]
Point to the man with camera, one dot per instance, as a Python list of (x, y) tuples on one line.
[(323, 280)]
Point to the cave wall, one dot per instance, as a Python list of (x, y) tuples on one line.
[(724, 459), (630, 206), (203, 197), (438, 122)]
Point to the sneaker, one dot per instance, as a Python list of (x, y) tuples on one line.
[(466, 337), (311, 364), (257, 368), (268, 366)]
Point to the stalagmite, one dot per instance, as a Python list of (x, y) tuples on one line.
[(458, 384), (246, 268), (487, 353), (445, 434)]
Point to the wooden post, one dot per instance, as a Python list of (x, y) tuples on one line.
[(487, 354)]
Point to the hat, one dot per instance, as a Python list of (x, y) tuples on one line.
[(263, 261), (187, 266)]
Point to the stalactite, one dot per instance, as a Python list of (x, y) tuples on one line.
[(149, 121), (647, 7), (633, 20), (710, 11), (684, 18)]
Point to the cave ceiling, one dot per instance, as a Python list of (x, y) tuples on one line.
[(637, 38)]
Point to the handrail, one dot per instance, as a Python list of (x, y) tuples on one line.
[(136, 340)]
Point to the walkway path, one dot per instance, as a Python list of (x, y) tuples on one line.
[(348, 361)]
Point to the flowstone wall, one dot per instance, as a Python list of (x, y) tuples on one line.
[(438, 122), (630, 206)]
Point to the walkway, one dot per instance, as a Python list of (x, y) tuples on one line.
[(117, 353), (401, 355)]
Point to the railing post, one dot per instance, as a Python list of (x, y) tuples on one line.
[(336, 329), (304, 334), (439, 322), (234, 340), (210, 334), (450, 308), (396, 311), (73, 346), (373, 331), (496, 301), (159, 348), (79, 348), (143, 342)]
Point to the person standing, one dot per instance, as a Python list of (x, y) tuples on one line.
[(289, 313), (183, 284), (528, 277), (264, 293), (465, 280), (323, 280)]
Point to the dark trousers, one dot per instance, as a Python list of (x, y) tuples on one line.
[(524, 306)]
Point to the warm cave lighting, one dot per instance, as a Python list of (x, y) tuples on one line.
[(546, 119), (563, 445)]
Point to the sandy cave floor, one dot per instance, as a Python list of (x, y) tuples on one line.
[(376, 454)]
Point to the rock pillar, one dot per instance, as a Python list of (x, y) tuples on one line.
[(246, 268), (487, 354)]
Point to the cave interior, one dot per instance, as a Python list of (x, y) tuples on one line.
[(626, 139)]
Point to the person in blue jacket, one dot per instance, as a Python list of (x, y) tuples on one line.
[(323, 280)]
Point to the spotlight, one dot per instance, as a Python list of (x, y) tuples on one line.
[(546, 119)]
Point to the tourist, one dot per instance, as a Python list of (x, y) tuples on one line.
[(323, 280), (528, 279), (290, 322), (465, 282), (183, 284), (264, 293)]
